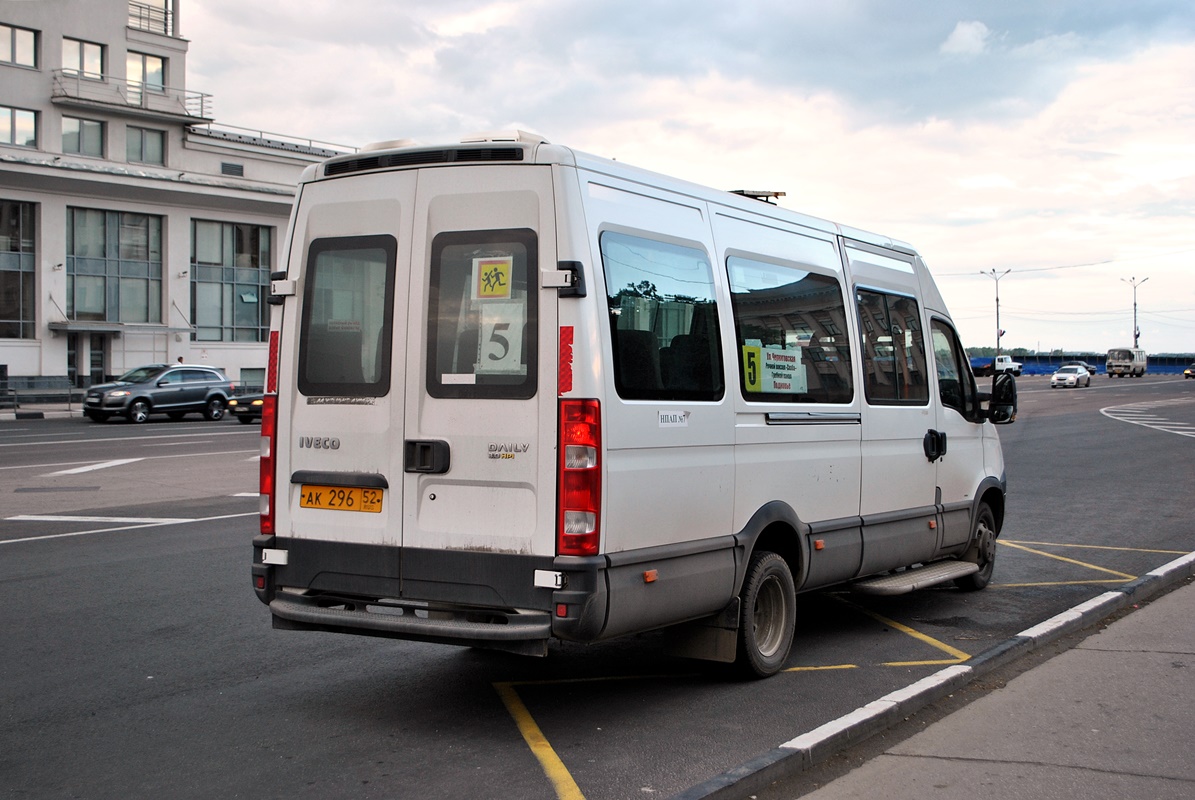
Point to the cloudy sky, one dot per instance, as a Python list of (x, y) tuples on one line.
[(1053, 139)]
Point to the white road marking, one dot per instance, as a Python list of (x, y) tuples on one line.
[(71, 518), (92, 467), (125, 528), (247, 494)]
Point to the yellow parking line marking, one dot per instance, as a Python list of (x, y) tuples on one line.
[(938, 663), (1096, 547), (553, 767), (959, 655), (819, 669), (1058, 583), (1071, 561)]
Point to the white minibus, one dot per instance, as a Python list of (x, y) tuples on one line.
[(518, 394)]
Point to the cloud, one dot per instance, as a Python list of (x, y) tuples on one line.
[(967, 39), (1043, 136)]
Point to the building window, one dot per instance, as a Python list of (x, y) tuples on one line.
[(230, 280), (113, 266), (18, 46), (17, 259), (84, 59), (151, 15), (145, 71), (83, 137), (18, 126), (146, 146)]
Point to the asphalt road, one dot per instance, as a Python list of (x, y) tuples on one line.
[(138, 663)]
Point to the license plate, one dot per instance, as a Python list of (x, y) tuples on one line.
[(340, 498)]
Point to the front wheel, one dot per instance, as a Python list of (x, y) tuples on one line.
[(768, 615), (981, 552), (138, 411), (214, 409)]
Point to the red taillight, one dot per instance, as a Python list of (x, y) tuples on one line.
[(269, 424), (269, 427), (580, 478)]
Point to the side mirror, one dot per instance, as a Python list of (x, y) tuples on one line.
[(1002, 407)]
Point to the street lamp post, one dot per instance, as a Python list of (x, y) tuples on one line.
[(997, 276), (1135, 283)]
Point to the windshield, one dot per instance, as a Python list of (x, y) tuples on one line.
[(1120, 355), (140, 374)]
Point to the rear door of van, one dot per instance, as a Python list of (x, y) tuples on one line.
[(420, 442)]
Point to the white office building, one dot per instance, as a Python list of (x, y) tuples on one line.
[(133, 229)]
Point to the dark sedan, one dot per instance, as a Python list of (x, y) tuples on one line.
[(246, 408)]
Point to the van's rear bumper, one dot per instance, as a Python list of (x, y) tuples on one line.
[(469, 598)]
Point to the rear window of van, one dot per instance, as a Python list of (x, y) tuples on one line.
[(348, 309), (482, 314)]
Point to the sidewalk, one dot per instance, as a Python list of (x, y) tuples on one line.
[(1108, 719), (41, 411)]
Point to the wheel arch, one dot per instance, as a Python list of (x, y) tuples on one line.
[(775, 527)]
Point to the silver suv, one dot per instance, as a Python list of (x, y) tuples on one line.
[(173, 390)]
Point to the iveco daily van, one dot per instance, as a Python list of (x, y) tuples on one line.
[(519, 394)]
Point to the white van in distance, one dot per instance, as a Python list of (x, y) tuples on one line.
[(518, 394)]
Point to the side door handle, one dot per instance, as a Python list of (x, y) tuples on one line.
[(430, 456), (934, 444)]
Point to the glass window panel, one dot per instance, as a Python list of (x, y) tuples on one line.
[(207, 304), (207, 243), (134, 236), (24, 128), (134, 300), (88, 233), (154, 308), (154, 147), (25, 47), (154, 72), (790, 325), (93, 59), (72, 54), (344, 341), (92, 138), (663, 319), (89, 297), (6, 37), (70, 135), (894, 359)]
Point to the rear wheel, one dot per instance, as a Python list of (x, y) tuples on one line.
[(981, 552), (138, 411), (767, 616), (214, 409)]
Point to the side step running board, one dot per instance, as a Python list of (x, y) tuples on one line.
[(918, 578)]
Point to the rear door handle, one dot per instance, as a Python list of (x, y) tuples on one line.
[(430, 456)]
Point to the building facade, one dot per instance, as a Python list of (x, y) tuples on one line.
[(133, 229)]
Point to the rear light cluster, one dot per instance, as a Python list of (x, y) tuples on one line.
[(580, 478), (269, 427)]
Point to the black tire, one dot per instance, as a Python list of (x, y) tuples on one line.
[(981, 552), (245, 420), (176, 415), (214, 409), (767, 616), (138, 411)]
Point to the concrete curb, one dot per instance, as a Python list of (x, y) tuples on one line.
[(819, 744), (8, 416)]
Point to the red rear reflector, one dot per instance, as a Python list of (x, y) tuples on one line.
[(564, 371), (579, 489), (561, 610)]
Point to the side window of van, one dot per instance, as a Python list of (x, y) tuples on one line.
[(482, 314), (348, 302), (894, 363), (956, 383), (663, 320), (790, 326)]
